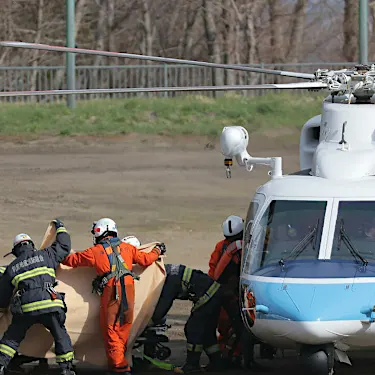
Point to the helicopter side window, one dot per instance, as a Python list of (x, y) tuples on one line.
[(253, 208), (356, 222), (284, 226)]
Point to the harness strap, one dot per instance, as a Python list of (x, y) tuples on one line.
[(119, 270), (230, 253), (186, 277), (206, 296)]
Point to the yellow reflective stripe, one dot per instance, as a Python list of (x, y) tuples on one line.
[(32, 273), (212, 349), (2, 269), (186, 277), (207, 296), (61, 230), (7, 350), (65, 357), (194, 348), (40, 305)]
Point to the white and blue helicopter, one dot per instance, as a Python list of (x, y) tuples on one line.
[(309, 256), (309, 240)]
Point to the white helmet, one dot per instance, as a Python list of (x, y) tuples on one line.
[(101, 227), (132, 240), (19, 239), (22, 237), (232, 226)]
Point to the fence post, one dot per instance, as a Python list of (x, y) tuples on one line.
[(70, 57), (166, 78)]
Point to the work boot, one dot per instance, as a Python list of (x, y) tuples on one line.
[(191, 365), (216, 363), (237, 362), (67, 371)]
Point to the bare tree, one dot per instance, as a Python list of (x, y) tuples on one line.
[(296, 35), (35, 53), (148, 33), (191, 11), (350, 47), (213, 43), (229, 37)]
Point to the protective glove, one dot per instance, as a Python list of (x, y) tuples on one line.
[(161, 247), (58, 224)]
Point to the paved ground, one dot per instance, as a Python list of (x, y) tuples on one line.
[(173, 190)]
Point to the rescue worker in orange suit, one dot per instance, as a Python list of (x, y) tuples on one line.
[(113, 261), (225, 268)]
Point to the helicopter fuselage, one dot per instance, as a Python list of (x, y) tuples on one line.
[(320, 295), (309, 242)]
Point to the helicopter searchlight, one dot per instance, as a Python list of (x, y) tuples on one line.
[(234, 141)]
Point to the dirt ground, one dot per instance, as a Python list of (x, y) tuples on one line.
[(168, 189)]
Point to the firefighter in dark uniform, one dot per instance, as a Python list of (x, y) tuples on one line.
[(19, 359), (32, 276), (185, 283)]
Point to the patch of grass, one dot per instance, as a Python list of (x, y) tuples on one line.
[(189, 115)]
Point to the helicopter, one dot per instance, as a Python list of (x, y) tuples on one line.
[(309, 240), (308, 264)]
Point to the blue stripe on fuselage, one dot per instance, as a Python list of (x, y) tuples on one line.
[(309, 301), (317, 269)]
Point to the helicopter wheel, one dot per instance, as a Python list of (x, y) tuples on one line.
[(317, 360)]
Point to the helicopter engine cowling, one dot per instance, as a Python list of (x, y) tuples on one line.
[(346, 148), (309, 141)]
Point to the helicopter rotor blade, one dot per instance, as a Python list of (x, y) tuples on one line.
[(283, 86), (47, 47)]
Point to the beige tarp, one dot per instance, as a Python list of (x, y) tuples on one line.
[(82, 321)]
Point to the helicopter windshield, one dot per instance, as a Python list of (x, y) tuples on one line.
[(358, 220), (283, 227)]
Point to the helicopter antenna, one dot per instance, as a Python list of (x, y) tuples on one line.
[(343, 143)]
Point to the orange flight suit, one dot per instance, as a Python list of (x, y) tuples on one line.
[(115, 335), (224, 324)]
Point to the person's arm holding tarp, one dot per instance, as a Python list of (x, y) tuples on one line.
[(145, 259), (80, 259), (61, 247)]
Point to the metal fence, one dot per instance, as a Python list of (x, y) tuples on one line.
[(132, 76)]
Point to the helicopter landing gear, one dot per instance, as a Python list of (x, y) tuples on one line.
[(317, 359)]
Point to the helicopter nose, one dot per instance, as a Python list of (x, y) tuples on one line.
[(312, 314)]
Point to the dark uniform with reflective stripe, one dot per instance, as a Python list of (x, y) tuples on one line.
[(32, 276), (200, 330), (20, 359)]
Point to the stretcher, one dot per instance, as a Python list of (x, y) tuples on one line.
[(82, 318)]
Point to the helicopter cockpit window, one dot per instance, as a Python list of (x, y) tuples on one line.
[(287, 230), (356, 220)]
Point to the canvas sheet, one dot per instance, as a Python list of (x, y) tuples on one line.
[(82, 320)]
